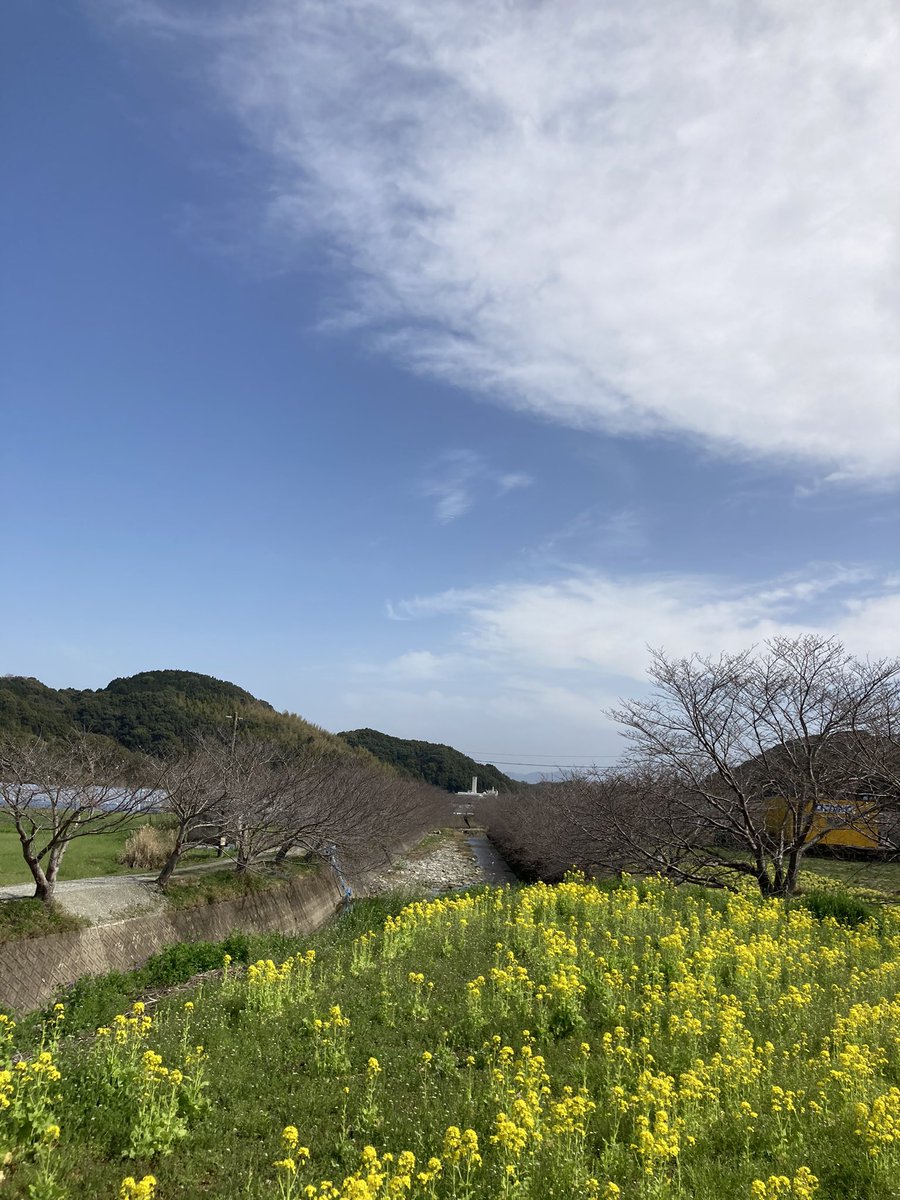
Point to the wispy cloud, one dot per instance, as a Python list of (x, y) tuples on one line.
[(413, 667), (644, 217), (513, 480), (544, 661), (596, 624), (458, 478)]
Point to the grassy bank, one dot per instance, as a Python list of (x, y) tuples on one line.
[(213, 886), (33, 918), (543, 1042), (97, 854)]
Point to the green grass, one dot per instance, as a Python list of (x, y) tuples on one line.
[(86, 857), (739, 964), (33, 918), (870, 875), (211, 887), (880, 879)]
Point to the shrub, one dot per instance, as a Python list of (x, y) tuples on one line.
[(147, 847)]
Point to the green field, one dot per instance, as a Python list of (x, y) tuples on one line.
[(616, 1042), (96, 854), (877, 876)]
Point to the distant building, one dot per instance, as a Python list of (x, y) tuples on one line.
[(473, 790), (464, 803)]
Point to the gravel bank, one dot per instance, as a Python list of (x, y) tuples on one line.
[(451, 865)]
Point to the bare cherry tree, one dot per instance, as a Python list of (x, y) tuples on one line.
[(256, 782), (373, 815), (193, 790), (52, 793), (767, 754), (541, 829), (334, 808)]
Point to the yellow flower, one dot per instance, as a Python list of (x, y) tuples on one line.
[(132, 1189)]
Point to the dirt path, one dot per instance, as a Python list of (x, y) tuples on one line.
[(107, 898)]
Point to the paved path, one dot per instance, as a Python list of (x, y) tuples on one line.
[(106, 898)]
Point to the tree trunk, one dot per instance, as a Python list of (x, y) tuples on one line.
[(44, 881), (43, 885), (282, 852), (171, 863), (793, 874)]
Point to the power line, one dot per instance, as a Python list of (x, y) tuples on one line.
[(504, 762), (544, 754), (485, 756)]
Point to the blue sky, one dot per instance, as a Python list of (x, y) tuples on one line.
[(417, 369)]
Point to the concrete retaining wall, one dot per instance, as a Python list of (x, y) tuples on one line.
[(32, 970)]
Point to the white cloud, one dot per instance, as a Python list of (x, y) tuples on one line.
[(458, 478), (417, 665), (594, 624), (651, 216), (535, 666), (513, 480)]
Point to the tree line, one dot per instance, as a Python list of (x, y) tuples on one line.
[(434, 762), (154, 712), (262, 799), (737, 767)]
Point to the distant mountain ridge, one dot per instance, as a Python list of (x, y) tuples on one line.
[(549, 775), (153, 712), (432, 761)]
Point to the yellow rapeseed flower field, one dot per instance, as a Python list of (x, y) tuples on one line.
[(625, 1042)]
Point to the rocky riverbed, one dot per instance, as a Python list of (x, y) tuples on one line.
[(451, 864)]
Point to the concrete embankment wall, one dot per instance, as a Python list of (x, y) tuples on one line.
[(32, 970)]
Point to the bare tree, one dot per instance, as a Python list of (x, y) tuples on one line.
[(52, 793), (194, 787), (334, 807), (256, 780), (371, 813), (768, 754), (540, 829)]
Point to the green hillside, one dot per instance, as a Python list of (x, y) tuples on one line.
[(154, 712), (432, 761)]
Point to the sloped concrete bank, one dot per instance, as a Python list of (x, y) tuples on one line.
[(32, 970)]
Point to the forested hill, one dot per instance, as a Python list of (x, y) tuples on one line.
[(157, 712), (435, 763)]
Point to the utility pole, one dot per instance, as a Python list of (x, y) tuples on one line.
[(234, 717)]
